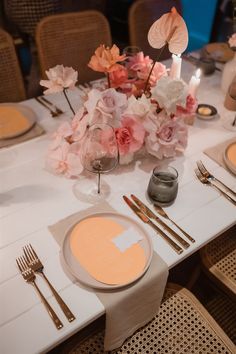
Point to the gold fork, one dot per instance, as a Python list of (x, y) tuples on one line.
[(53, 113), (208, 175), (204, 180), (57, 110), (29, 277), (36, 265)]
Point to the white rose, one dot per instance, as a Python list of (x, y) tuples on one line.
[(169, 93)]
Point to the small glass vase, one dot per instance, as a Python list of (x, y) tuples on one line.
[(229, 72)]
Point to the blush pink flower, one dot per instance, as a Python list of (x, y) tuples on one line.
[(63, 133), (232, 41), (139, 62), (59, 78), (106, 106), (166, 138), (158, 71), (79, 124), (64, 160), (119, 76), (190, 107), (130, 136), (106, 59)]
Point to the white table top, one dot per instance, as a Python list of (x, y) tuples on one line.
[(31, 199)]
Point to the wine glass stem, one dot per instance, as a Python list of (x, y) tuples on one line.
[(99, 182), (234, 121)]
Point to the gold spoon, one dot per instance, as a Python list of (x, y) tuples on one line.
[(163, 213)]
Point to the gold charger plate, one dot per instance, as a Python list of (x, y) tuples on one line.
[(220, 52), (15, 120)]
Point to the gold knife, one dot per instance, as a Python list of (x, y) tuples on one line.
[(146, 220), (153, 216)]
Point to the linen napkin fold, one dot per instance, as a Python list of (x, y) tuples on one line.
[(35, 131), (127, 308)]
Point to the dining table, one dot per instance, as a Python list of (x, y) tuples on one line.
[(32, 199)]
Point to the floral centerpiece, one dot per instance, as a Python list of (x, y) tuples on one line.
[(146, 103)]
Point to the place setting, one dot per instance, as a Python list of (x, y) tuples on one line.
[(18, 123)]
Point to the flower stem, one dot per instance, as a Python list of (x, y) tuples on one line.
[(99, 182), (234, 121), (160, 53), (65, 94), (108, 80)]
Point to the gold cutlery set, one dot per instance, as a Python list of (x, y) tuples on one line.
[(51, 107), (207, 178), (29, 264), (147, 215)]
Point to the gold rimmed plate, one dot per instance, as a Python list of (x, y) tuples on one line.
[(229, 156), (88, 257), (15, 120)]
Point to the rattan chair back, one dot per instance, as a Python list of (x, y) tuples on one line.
[(12, 86), (219, 261), (182, 326), (142, 14), (71, 39)]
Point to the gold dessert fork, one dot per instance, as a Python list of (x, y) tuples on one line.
[(36, 265), (162, 212), (204, 180), (53, 113), (58, 110), (208, 175), (29, 277)]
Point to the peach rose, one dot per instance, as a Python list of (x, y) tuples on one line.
[(105, 59)]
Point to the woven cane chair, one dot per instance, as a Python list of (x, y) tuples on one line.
[(182, 326), (12, 85), (142, 14), (25, 15), (219, 261), (71, 39)]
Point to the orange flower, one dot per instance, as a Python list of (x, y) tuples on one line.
[(106, 59)]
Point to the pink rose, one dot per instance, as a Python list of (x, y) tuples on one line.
[(119, 77), (130, 136), (166, 138)]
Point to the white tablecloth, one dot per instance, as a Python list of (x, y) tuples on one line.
[(31, 199)]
